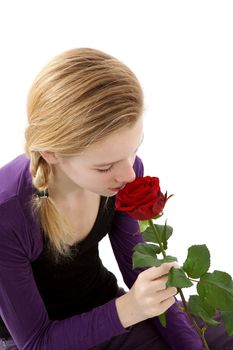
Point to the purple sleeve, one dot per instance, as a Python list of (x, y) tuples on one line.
[(21, 306), (125, 234)]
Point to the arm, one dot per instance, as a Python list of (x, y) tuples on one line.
[(21, 306), (125, 234)]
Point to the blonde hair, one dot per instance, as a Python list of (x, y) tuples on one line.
[(79, 98)]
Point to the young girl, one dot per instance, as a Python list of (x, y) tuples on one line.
[(85, 126)]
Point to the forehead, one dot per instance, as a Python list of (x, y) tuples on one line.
[(116, 146)]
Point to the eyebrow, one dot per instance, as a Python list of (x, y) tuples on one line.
[(105, 164)]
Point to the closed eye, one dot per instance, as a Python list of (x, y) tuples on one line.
[(104, 170), (110, 168)]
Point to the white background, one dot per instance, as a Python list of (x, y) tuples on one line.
[(182, 53)]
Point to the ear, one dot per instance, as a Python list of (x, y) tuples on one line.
[(49, 157)]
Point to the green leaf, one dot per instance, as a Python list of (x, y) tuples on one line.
[(149, 235), (227, 317), (147, 248), (168, 258), (201, 308), (143, 224), (162, 319), (177, 278), (198, 261), (217, 288), (145, 256), (142, 260)]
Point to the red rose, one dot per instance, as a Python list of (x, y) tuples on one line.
[(142, 198)]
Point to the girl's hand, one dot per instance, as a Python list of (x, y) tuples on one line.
[(148, 297)]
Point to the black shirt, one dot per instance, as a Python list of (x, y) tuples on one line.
[(81, 283)]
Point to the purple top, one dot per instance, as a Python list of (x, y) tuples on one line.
[(21, 305)]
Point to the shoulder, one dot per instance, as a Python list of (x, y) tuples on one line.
[(14, 178), (138, 167), (17, 225)]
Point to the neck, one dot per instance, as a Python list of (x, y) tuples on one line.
[(63, 189)]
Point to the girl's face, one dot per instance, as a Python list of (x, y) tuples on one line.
[(104, 166)]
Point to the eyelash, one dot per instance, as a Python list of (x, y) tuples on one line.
[(104, 170), (109, 169)]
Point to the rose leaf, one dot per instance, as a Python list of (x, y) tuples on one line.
[(177, 278), (145, 255), (149, 235), (147, 248), (198, 261), (217, 288), (202, 309), (142, 260), (167, 259)]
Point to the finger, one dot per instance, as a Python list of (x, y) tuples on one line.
[(159, 283), (155, 272), (165, 304), (166, 294)]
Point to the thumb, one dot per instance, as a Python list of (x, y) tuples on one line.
[(155, 272)]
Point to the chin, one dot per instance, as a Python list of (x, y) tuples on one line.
[(108, 193)]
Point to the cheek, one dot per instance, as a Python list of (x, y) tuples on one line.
[(104, 179)]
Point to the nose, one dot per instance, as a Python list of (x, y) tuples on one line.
[(125, 174)]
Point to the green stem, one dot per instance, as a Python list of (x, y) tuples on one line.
[(153, 227), (194, 324), (199, 331)]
